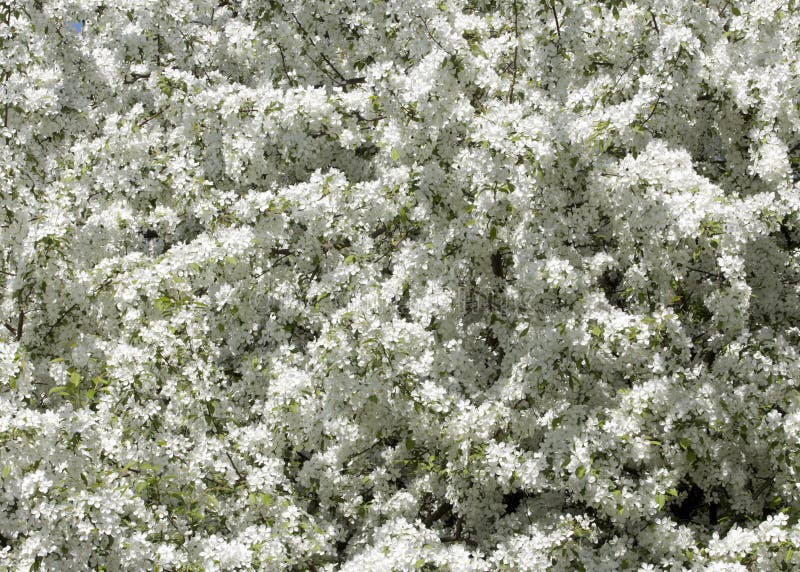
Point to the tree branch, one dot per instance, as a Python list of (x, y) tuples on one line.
[(555, 16), (655, 23), (342, 79), (516, 52)]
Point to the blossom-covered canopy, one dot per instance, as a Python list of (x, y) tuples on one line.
[(400, 285)]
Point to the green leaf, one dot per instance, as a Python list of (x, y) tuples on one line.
[(580, 472), (395, 155), (660, 500), (320, 298)]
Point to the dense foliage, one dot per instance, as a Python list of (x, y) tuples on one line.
[(400, 285)]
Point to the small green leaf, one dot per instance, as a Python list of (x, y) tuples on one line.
[(660, 500), (395, 155), (580, 472)]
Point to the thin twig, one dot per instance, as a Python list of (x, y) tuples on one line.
[(555, 16), (342, 79), (149, 119), (516, 52), (655, 24), (432, 37), (71, 308), (283, 65), (706, 272), (652, 111), (356, 455), (235, 468)]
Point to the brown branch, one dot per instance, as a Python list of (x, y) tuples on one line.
[(342, 79), (283, 65), (363, 451), (71, 308), (555, 16), (150, 118), (135, 77), (20, 323), (516, 52), (652, 111), (443, 510), (706, 273), (235, 468), (655, 24), (433, 38)]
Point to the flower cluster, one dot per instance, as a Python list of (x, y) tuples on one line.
[(399, 285)]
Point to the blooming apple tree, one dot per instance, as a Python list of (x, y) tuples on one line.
[(400, 285)]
